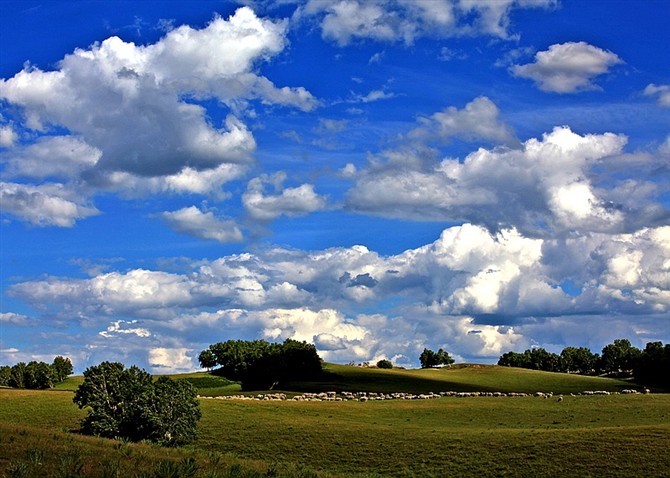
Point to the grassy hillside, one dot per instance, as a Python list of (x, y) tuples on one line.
[(462, 378), (618, 435)]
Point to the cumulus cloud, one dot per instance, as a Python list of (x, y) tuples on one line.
[(133, 113), (118, 327), (44, 205), (205, 225), (170, 360), (289, 201), (471, 290), (8, 136), (14, 319), (567, 67), (544, 186), (344, 21), (60, 157), (479, 119), (468, 271), (660, 91)]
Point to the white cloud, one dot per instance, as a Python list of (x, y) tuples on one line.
[(133, 116), (372, 96), (466, 292), (44, 205), (170, 360), (345, 21), (567, 67), (541, 187), (637, 268), (290, 201), (14, 319), (479, 119), (50, 156), (8, 136), (117, 327), (665, 147), (662, 91), (205, 225)]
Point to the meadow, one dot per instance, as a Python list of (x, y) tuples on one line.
[(615, 435)]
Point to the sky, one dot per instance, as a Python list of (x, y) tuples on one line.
[(374, 177)]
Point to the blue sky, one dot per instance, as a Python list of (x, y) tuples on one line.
[(374, 177)]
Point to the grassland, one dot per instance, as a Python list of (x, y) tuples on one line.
[(617, 435)]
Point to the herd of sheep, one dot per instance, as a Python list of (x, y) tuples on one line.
[(368, 396)]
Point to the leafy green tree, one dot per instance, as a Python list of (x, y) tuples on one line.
[(653, 365), (619, 356), (428, 358), (534, 359), (62, 368), (115, 397), (384, 364), (578, 360), (443, 358), (127, 403), (234, 357), (541, 359), (5, 374), (39, 375), (514, 359), (207, 359), (172, 411), (261, 365), (17, 375)]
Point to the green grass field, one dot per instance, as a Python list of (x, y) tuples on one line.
[(616, 435)]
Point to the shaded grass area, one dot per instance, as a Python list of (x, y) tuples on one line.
[(464, 378)]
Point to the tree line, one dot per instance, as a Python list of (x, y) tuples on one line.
[(649, 366), (261, 365), (36, 375)]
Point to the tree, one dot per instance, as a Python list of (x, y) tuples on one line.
[(127, 403), (261, 365), (207, 359), (428, 358), (578, 360), (653, 365), (514, 359), (39, 375), (114, 396), (17, 375), (541, 359), (62, 368), (384, 364), (5, 374), (172, 412), (443, 358), (619, 356)]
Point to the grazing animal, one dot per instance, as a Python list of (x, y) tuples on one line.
[(560, 399)]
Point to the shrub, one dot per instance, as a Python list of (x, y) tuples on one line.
[(384, 364)]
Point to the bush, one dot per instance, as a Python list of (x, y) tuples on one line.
[(384, 364), (128, 404)]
